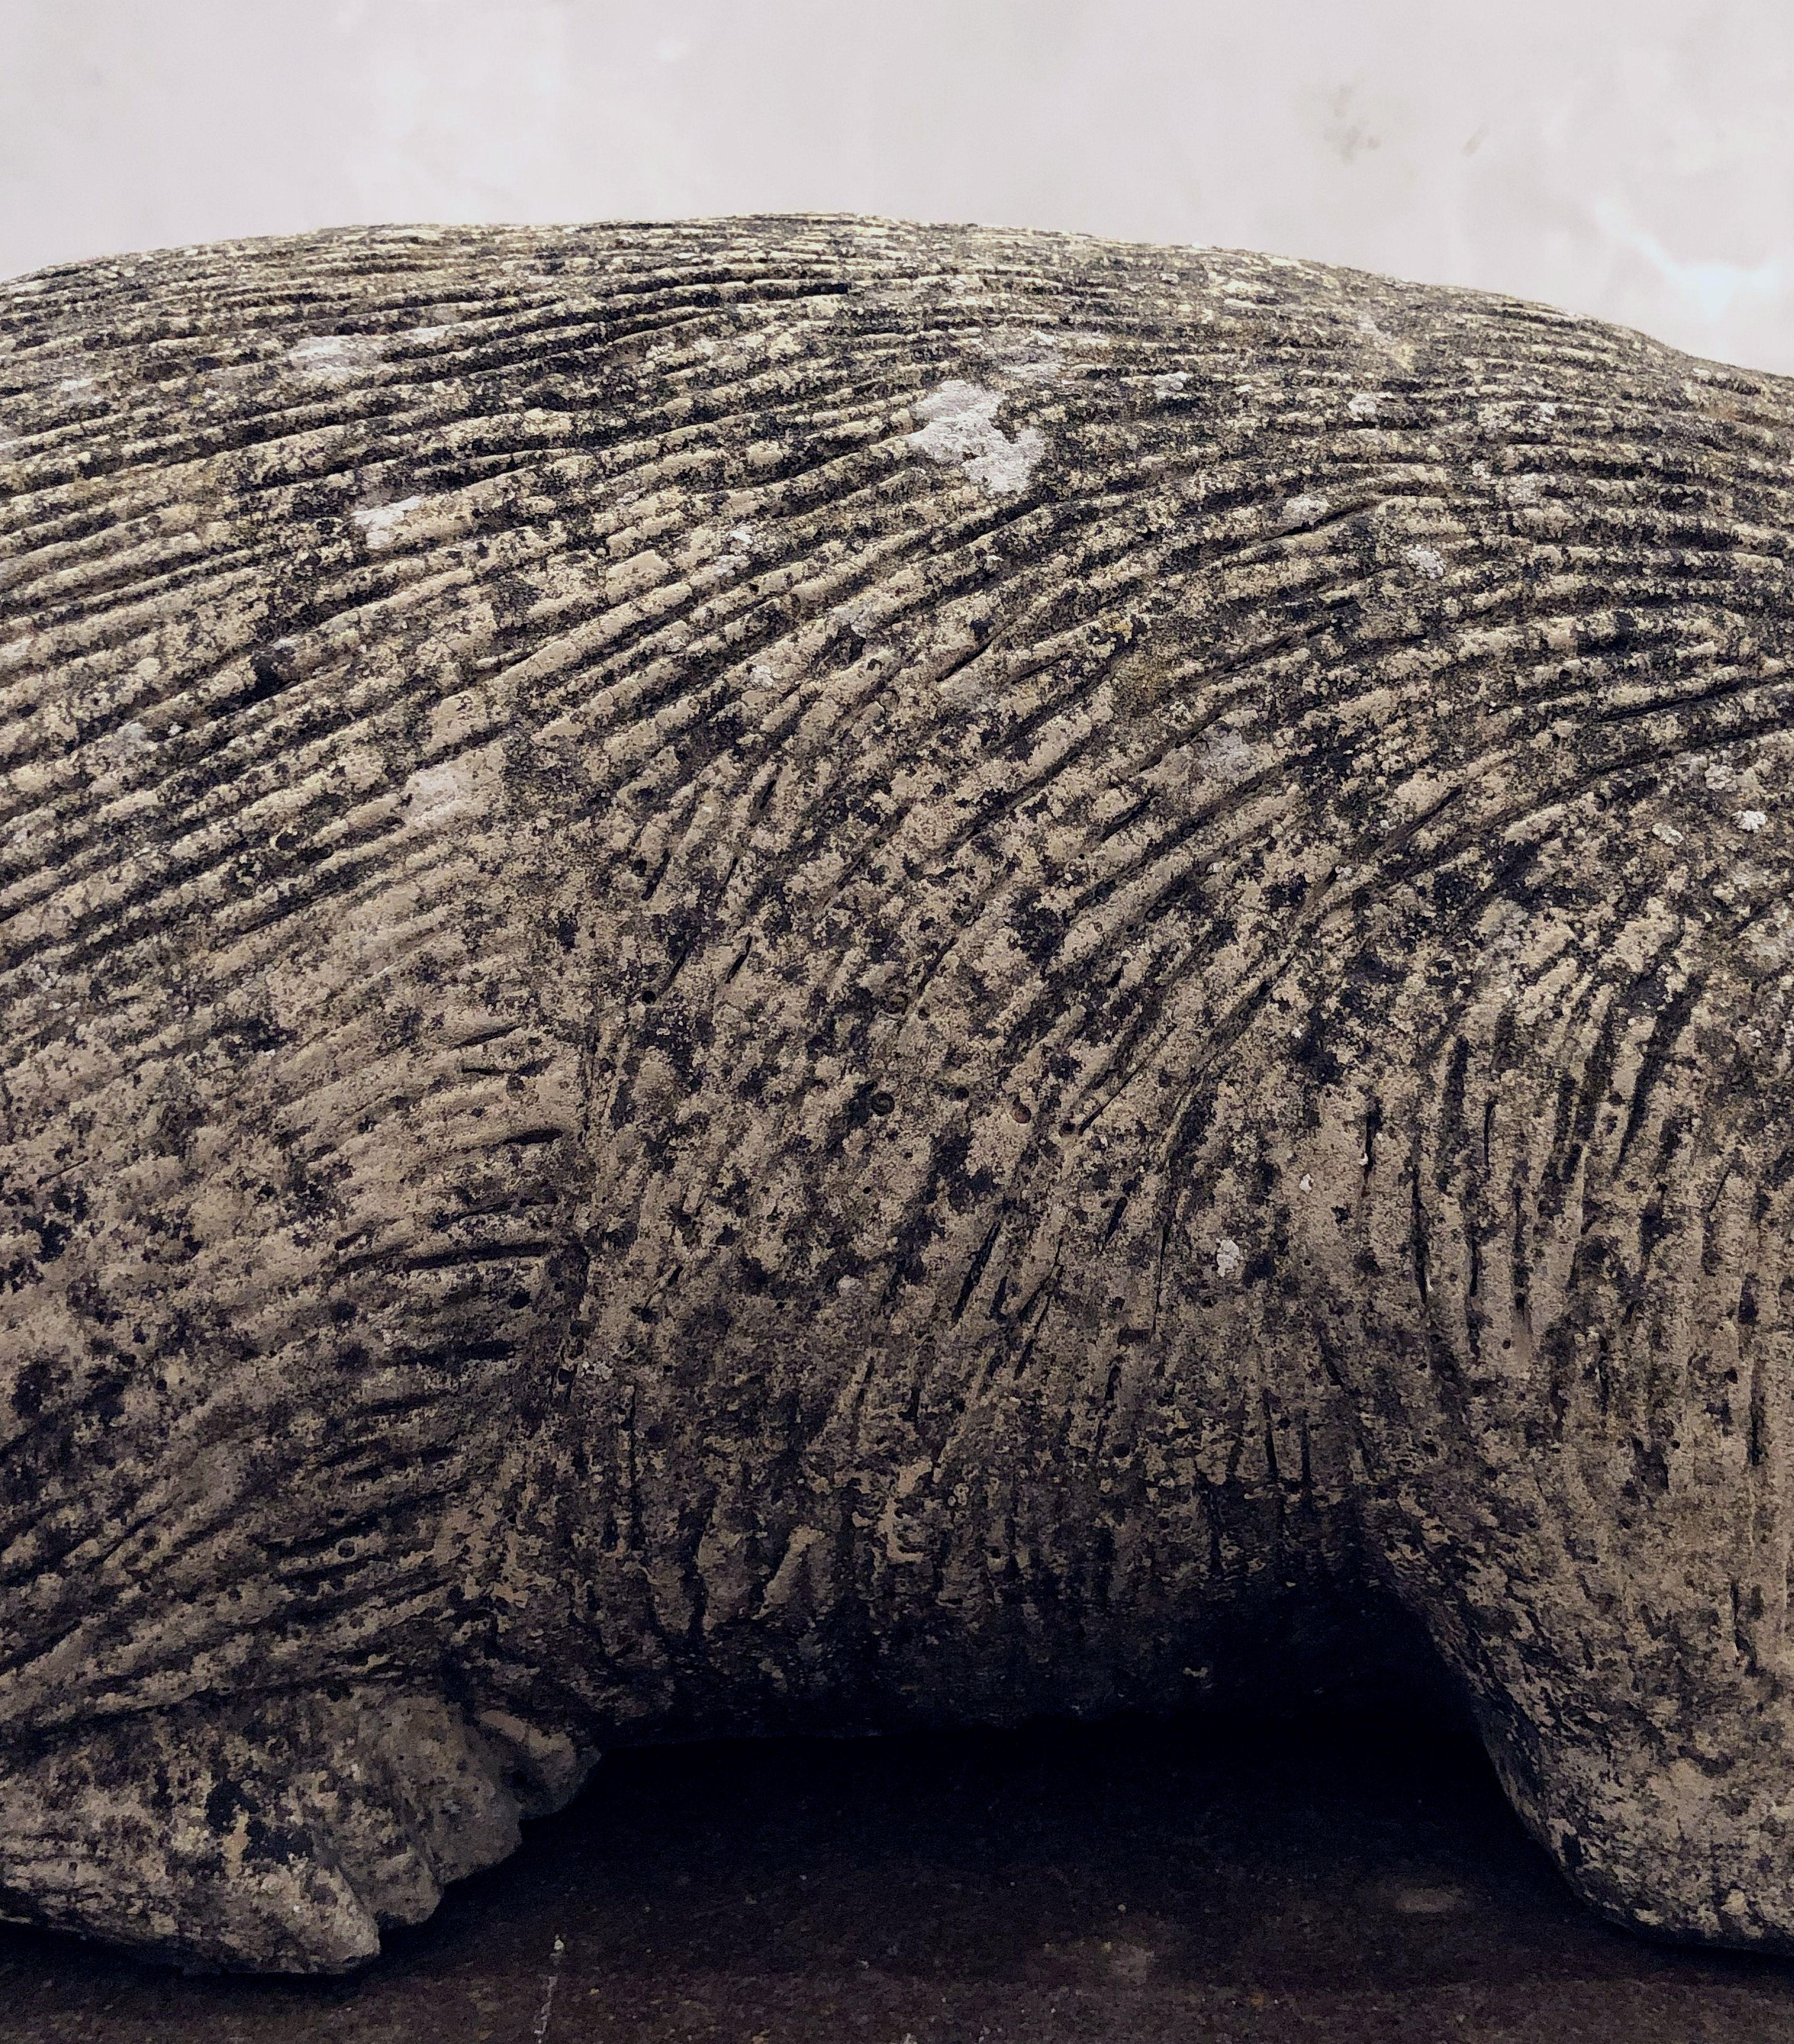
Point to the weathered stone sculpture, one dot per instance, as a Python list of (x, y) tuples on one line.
[(801, 972)]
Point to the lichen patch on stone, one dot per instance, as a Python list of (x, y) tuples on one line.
[(1226, 755), (461, 791), (1298, 514), (1023, 352), (333, 358), (380, 524), (960, 429)]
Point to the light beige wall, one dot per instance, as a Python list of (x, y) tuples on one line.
[(1630, 158)]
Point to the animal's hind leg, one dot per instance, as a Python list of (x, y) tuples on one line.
[(1678, 1824), (1611, 1583), (280, 1833), (1575, 1408)]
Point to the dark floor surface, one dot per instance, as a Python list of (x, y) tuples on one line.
[(1330, 1880)]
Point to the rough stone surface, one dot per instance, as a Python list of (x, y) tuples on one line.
[(799, 974)]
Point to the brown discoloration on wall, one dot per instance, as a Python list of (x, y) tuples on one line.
[(697, 1040)]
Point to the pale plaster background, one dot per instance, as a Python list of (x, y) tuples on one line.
[(1630, 158)]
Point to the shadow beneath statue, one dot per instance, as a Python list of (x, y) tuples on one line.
[(1354, 1873)]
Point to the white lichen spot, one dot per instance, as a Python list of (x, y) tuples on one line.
[(130, 741), (1304, 1184), (334, 358), (425, 333), (1426, 561), (1746, 882), (1170, 384), (1718, 776), (1547, 411), (380, 523), (1667, 832), (1227, 1258), (960, 429), (736, 557), (1523, 490), (1362, 404), (1751, 820), (456, 791), (1299, 512), (1019, 351), (1226, 755), (1768, 936)]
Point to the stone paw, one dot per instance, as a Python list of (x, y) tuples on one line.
[(279, 1833)]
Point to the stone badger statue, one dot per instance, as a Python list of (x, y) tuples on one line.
[(800, 972)]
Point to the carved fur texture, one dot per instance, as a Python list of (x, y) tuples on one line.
[(809, 973)]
